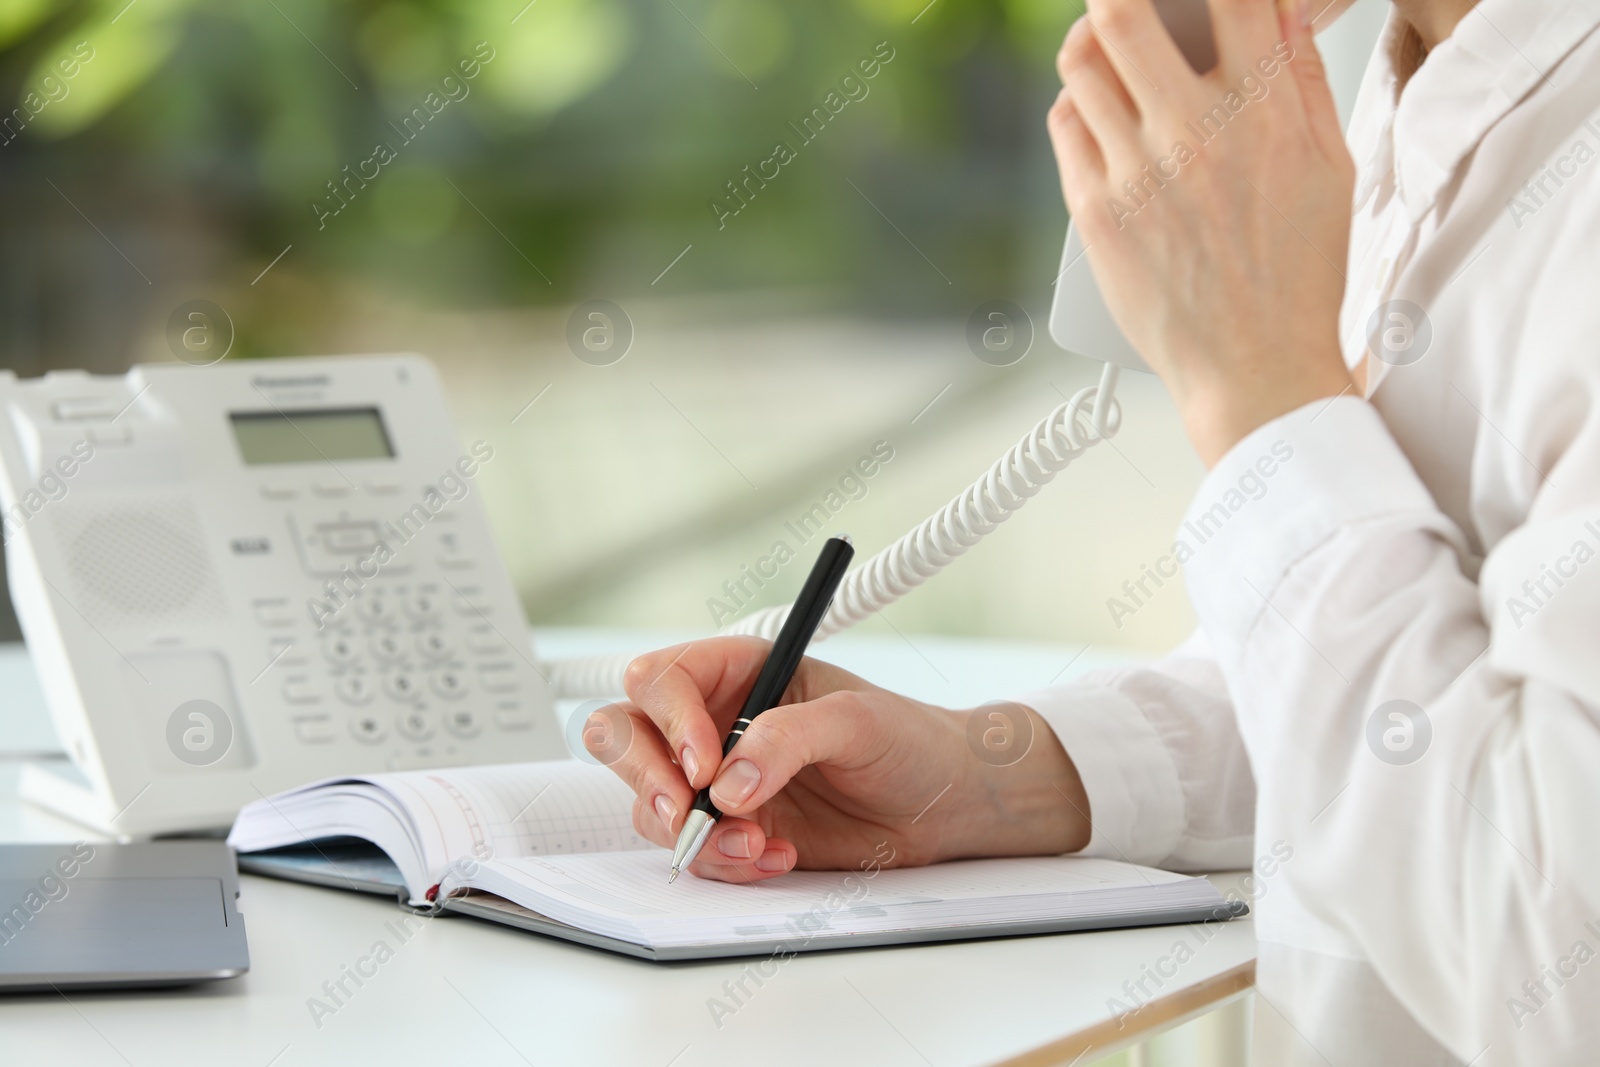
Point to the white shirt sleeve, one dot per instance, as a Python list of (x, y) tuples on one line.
[(1161, 761), (1426, 738)]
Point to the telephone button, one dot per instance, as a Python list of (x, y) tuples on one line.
[(273, 613), (80, 409), (284, 650), (340, 649), (451, 555), (449, 684), (415, 725), (485, 640), (300, 691), (422, 606), (109, 436), (463, 722), (470, 602), (350, 537), (375, 609), (332, 487), (402, 687), (313, 731), (381, 488), (368, 728), (386, 646), (433, 645), (498, 677), (279, 491), (513, 719), (354, 689)]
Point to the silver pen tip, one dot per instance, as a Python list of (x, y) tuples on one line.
[(696, 828), (673, 877)]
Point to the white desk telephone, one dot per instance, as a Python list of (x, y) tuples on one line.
[(238, 578)]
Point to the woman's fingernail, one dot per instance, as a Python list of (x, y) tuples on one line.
[(735, 844), (691, 765), (773, 859), (735, 783), (667, 810)]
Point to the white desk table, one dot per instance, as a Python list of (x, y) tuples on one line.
[(461, 992)]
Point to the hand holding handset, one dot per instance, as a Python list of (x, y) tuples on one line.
[(1080, 322)]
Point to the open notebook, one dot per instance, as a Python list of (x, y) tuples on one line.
[(550, 847)]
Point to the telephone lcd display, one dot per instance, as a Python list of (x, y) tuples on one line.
[(310, 436)]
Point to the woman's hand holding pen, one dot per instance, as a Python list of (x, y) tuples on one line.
[(826, 778)]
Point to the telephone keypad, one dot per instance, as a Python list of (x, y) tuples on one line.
[(405, 661)]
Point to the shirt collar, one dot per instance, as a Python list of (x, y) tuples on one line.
[(1500, 52)]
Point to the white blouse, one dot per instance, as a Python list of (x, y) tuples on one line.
[(1397, 682)]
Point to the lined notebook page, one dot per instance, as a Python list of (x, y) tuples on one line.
[(554, 808)]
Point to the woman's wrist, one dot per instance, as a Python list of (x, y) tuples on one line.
[(1218, 418), (1022, 795)]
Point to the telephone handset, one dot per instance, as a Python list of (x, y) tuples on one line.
[(1080, 322), (239, 578)]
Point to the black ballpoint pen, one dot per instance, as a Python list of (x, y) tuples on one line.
[(798, 628)]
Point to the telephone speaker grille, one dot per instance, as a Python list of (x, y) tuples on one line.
[(141, 564)]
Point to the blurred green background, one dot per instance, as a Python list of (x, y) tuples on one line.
[(582, 161), (184, 157)]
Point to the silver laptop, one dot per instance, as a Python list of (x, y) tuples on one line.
[(106, 915)]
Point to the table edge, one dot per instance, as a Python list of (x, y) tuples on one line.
[(1154, 1016)]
